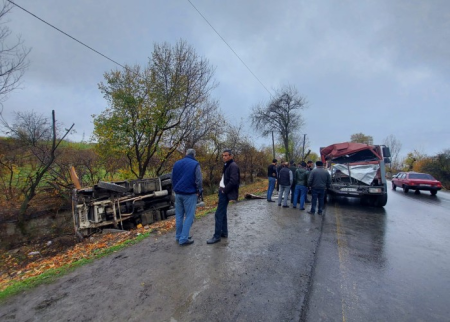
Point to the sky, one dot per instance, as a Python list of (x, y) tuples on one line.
[(378, 67)]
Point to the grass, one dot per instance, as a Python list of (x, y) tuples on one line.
[(53, 273)]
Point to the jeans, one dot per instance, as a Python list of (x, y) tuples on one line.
[(221, 227), (271, 188), (184, 215), (284, 190), (302, 191), (317, 194)]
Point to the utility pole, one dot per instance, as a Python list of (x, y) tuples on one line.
[(273, 146), (303, 152)]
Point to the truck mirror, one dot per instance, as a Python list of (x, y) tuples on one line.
[(386, 152)]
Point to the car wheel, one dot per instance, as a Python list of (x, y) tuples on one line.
[(433, 192), (394, 186), (405, 189)]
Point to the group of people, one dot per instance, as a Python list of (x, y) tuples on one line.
[(296, 181), (187, 185), (290, 179)]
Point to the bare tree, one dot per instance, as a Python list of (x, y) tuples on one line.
[(281, 115), (395, 146), (40, 139), (13, 56), (300, 147)]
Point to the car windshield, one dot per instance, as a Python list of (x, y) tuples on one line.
[(421, 176)]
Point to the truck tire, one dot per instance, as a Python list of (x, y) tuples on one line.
[(111, 186), (405, 189), (394, 186), (380, 201), (433, 192)]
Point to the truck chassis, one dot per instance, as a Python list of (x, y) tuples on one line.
[(122, 204)]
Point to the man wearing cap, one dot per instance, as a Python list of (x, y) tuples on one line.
[(319, 180), (187, 185), (286, 178), (301, 183), (272, 175)]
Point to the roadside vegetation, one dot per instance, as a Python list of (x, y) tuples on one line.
[(18, 274)]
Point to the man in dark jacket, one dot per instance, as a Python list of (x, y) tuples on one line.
[(187, 185), (272, 175), (301, 185), (319, 180), (293, 168), (309, 167), (286, 178), (228, 191)]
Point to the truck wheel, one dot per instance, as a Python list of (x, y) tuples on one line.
[(380, 201), (331, 197), (405, 189), (394, 186), (111, 186), (433, 192)]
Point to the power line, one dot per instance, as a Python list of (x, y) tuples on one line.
[(230, 48), (115, 62), (80, 42)]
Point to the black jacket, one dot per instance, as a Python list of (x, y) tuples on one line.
[(232, 179)]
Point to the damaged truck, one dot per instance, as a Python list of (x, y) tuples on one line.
[(357, 170), (121, 205)]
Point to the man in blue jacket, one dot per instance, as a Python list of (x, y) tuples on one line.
[(187, 185), (228, 191)]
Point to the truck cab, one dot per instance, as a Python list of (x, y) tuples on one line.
[(357, 170)]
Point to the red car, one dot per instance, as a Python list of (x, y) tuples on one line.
[(416, 181)]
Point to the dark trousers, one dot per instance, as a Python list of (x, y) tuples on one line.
[(221, 216), (318, 196), (292, 192)]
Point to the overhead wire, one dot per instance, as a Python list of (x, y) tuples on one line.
[(80, 42), (124, 67), (248, 68)]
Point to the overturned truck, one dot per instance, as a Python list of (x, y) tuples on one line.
[(122, 204), (357, 170)]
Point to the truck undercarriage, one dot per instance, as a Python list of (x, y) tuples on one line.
[(122, 204)]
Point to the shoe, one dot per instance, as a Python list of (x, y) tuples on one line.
[(310, 212), (279, 205), (294, 206), (319, 213), (190, 237), (302, 208), (286, 206), (307, 201), (213, 240), (188, 242), (224, 236), (270, 200)]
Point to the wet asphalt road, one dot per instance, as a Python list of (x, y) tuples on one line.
[(260, 273), (278, 264), (384, 264)]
